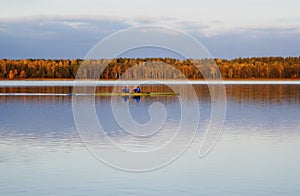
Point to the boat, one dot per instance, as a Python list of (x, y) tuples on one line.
[(151, 94)]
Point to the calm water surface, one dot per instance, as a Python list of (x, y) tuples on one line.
[(258, 152)]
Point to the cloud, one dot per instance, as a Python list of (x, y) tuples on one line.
[(254, 42), (74, 36), (53, 37)]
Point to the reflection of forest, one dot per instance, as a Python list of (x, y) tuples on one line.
[(261, 94), (264, 94), (152, 68)]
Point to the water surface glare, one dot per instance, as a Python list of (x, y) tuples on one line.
[(27, 83)]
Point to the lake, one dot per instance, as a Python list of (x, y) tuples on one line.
[(50, 143)]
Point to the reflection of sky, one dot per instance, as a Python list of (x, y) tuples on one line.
[(68, 29), (258, 153)]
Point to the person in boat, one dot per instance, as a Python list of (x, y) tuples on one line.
[(125, 89), (137, 90)]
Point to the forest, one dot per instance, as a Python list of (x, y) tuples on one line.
[(151, 68)]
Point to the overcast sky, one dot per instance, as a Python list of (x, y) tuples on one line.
[(70, 28)]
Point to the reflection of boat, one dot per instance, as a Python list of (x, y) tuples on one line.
[(137, 98), (139, 94)]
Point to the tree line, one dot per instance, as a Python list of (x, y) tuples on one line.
[(151, 68)]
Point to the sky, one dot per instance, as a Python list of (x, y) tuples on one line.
[(70, 28)]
